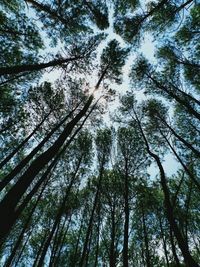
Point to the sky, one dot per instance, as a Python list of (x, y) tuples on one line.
[(147, 48)]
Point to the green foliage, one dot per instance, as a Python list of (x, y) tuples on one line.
[(113, 59), (101, 187)]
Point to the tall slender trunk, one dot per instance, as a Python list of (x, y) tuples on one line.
[(174, 248), (5, 161), (190, 174), (46, 173), (88, 249), (77, 242), (189, 261), (174, 96), (59, 216), (21, 236), (12, 198), (181, 139), (164, 240), (36, 67), (98, 233), (126, 212), (55, 241), (40, 249), (90, 224), (146, 240), (187, 205), (22, 250), (112, 258), (25, 161), (59, 245)]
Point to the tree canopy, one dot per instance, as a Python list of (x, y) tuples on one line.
[(100, 154)]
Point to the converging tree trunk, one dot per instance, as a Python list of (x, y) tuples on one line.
[(189, 261)]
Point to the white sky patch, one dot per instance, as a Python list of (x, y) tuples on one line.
[(147, 48)]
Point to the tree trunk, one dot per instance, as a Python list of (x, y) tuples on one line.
[(78, 242), (59, 245), (59, 216), (146, 240), (189, 261), (36, 67), (40, 249), (23, 163), (164, 241), (21, 236), (174, 96), (12, 198), (126, 212), (174, 249), (112, 258), (22, 250), (190, 174), (98, 233), (90, 224), (5, 161)]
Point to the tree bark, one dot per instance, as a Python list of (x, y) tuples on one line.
[(58, 217), (12, 198), (189, 261), (90, 224), (23, 163), (36, 67), (146, 240), (112, 258), (175, 97), (126, 212), (5, 161), (190, 174)]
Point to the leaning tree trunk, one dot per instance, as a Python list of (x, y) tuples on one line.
[(12, 198), (189, 261), (173, 95), (26, 160), (190, 174), (181, 139), (36, 67), (90, 224), (16, 150), (58, 217)]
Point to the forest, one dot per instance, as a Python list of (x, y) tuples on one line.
[(99, 133)]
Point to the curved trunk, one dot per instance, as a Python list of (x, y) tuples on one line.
[(189, 261)]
